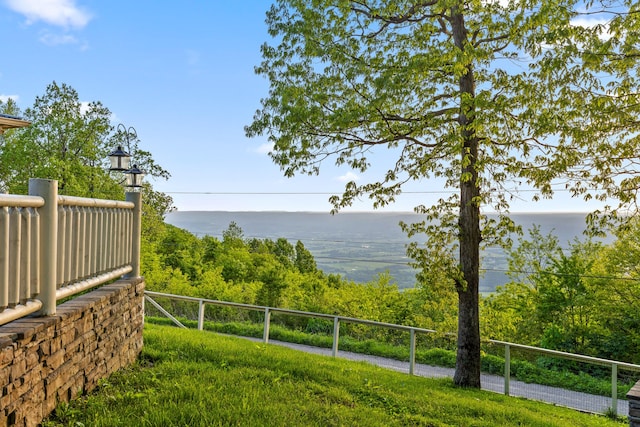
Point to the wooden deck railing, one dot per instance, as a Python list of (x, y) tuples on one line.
[(52, 246)]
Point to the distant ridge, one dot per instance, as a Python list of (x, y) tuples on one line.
[(359, 245)]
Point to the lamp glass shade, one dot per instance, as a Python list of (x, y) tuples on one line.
[(120, 160), (134, 177)]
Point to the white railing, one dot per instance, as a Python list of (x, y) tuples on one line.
[(52, 247), (614, 366)]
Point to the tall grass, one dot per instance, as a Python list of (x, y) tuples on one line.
[(192, 378), (521, 369)]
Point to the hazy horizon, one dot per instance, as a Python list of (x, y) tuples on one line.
[(360, 245)]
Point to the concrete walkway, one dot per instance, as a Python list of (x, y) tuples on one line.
[(571, 399)]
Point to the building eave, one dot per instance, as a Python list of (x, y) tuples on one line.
[(11, 122)]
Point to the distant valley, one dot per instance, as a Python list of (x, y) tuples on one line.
[(358, 245)]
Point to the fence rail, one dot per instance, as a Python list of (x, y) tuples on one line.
[(52, 247), (337, 320)]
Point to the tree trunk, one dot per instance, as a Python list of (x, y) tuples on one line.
[(468, 356), (467, 372)]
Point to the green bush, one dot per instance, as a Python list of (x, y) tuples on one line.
[(492, 364), (437, 356)]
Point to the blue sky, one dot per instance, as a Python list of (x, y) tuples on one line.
[(181, 73)]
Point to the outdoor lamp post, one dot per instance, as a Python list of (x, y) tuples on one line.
[(134, 177), (121, 161)]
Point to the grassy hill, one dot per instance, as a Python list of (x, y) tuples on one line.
[(192, 378)]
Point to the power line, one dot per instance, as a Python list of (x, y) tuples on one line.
[(328, 193), (294, 193)]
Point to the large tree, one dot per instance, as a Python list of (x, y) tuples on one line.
[(485, 96), (65, 141)]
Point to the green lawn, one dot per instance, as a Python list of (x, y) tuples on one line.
[(192, 378)]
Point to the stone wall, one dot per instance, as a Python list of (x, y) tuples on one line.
[(47, 360)]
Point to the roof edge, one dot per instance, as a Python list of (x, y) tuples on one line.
[(11, 122)]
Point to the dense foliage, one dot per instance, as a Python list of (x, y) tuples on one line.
[(583, 298), (277, 273)]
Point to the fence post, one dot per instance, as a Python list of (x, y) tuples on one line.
[(412, 351), (507, 368), (48, 190), (336, 336), (267, 322), (614, 389), (136, 198), (200, 315)]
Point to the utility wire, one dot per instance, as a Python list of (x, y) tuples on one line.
[(328, 193)]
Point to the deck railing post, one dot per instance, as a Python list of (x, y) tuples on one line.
[(15, 255), (136, 198), (48, 190), (4, 256)]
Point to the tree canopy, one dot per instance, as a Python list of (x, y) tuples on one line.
[(491, 97), (69, 141)]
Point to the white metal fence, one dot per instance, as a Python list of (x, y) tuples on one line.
[(52, 247), (580, 401)]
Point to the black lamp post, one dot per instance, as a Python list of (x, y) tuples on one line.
[(134, 177), (121, 161)]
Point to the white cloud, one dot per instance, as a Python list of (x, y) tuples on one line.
[(265, 148), (349, 176), (62, 13), (502, 3), (583, 21), (5, 98), (587, 22)]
